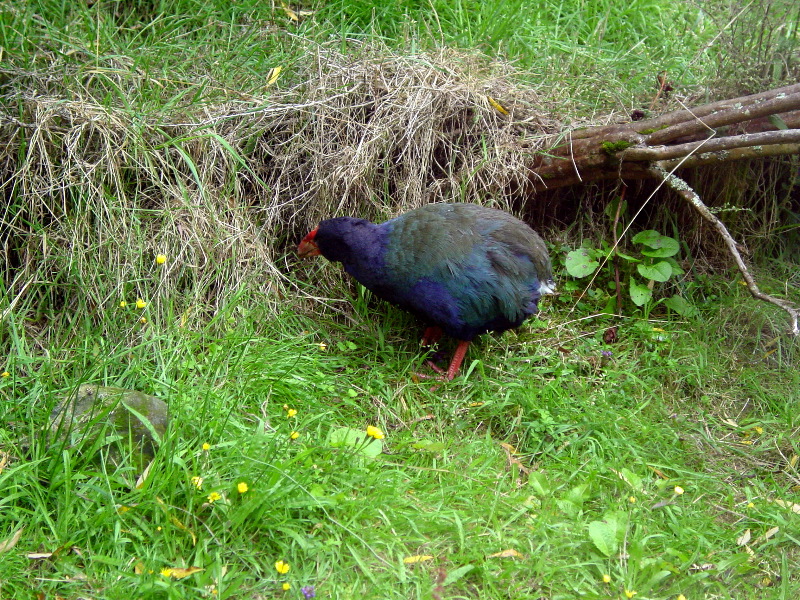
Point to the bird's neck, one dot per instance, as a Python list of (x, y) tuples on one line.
[(365, 259)]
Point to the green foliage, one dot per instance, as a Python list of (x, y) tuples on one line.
[(614, 147), (358, 441), (585, 41), (555, 462), (607, 535), (653, 259)]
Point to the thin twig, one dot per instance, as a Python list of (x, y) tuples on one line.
[(687, 193)]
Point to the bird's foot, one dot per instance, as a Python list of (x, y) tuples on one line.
[(441, 375)]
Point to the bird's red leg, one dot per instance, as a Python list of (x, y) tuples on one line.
[(458, 358), (432, 335)]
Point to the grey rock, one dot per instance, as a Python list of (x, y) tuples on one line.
[(126, 414)]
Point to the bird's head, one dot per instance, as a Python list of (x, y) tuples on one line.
[(308, 246), (338, 240)]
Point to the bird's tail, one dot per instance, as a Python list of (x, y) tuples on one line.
[(547, 287)]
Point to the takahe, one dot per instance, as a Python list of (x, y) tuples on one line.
[(463, 268)]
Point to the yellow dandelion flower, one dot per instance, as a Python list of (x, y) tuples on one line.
[(680, 597), (214, 496), (143, 320), (197, 482), (750, 505), (678, 490), (140, 303), (606, 578), (166, 572), (759, 430), (161, 259), (282, 567), (242, 487), (658, 330), (291, 412), (632, 499), (286, 587), (206, 446), (158, 528), (374, 432), (323, 346), (5, 374), (630, 593), (294, 435), (123, 304)]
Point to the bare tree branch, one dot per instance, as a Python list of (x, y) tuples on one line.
[(687, 193), (765, 124), (737, 114), (680, 116), (707, 158), (712, 145)]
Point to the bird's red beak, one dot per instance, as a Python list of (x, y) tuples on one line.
[(308, 247)]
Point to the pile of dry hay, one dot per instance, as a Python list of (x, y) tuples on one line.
[(94, 192)]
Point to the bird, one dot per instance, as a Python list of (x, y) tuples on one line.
[(464, 269)]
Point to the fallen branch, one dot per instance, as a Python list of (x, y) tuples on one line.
[(750, 127), (765, 124), (687, 193)]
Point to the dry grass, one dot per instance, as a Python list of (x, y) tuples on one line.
[(231, 186)]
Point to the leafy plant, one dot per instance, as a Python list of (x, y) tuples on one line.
[(653, 262)]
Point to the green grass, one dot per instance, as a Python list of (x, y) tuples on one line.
[(541, 469), (584, 438), (185, 53)]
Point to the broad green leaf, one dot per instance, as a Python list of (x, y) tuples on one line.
[(457, 574), (627, 257), (681, 306), (580, 263), (660, 271), (608, 534), (676, 268), (661, 252), (657, 578), (538, 481), (640, 294), (356, 439), (631, 478), (778, 122), (611, 208), (603, 535), (579, 494), (658, 245), (429, 446), (570, 509), (572, 502)]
